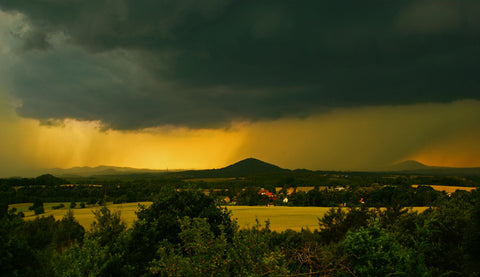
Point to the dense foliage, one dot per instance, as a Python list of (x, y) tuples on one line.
[(185, 233)]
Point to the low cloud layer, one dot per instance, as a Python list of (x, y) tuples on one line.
[(139, 64)]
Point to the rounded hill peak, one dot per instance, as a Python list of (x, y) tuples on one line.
[(250, 166)]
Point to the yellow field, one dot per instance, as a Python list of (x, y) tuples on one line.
[(449, 189), (281, 218), (212, 180), (84, 216)]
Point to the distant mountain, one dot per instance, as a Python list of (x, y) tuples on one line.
[(408, 165), (250, 166), (414, 167), (242, 168)]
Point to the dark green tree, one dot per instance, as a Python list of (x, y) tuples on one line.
[(472, 240), (17, 258), (3, 209), (39, 232), (160, 223), (69, 231), (37, 207), (107, 226), (335, 224), (374, 252), (89, 259)]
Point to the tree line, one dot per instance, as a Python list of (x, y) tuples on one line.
[(329, 190)]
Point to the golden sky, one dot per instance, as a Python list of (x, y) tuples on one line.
[(344, 139)]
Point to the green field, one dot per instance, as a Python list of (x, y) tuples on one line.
[(281, 218)]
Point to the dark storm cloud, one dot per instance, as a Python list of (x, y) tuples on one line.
[(198, 63)]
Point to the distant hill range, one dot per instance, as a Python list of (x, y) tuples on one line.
[(99, 171), (414, 167), (242, 168), (247, 167)]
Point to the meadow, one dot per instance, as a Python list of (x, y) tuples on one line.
[(85, 215), (281, 217), (449, 189)]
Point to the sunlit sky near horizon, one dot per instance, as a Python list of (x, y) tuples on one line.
[(327, 85)]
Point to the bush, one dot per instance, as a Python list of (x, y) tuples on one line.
[(92, 201), (37, 207), (59, 206), (374, 252), (87, 260), (120, 199)]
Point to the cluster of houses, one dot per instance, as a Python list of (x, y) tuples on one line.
[(272, 198)]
